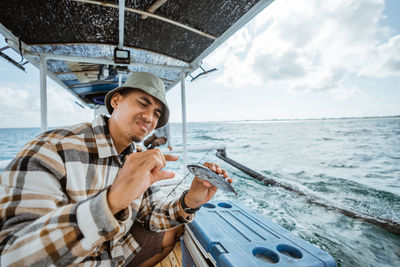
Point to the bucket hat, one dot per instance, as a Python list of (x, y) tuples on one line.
[(148, 83)]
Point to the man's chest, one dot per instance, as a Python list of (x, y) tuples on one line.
[(85, 179)]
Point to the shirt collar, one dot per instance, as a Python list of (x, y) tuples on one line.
[(104, 142), (130, 149)]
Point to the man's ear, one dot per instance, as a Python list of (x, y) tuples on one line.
[(114, 101)]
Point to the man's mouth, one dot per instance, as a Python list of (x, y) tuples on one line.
[(143, 126)]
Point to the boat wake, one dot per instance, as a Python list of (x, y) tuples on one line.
[(387, 224)]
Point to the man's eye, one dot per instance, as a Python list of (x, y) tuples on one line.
[(142, 104), (158, 115)]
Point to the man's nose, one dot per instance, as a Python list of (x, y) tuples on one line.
[(148, 116)]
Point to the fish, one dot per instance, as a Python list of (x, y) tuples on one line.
[(217, 180)]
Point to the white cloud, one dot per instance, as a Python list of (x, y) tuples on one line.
[(385, 60), (319, 79), (344, 93), (311, 45), (21, 107), (17, 103), (278, 67), (237, 44), (62, 109)]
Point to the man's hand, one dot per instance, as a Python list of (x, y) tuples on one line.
[(202, 191), (140, 170)]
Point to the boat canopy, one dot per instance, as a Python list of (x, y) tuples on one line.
[(89, 47)]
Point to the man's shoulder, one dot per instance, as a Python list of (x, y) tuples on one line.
[(78, 132)]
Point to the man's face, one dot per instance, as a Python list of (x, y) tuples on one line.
[(136, 114)]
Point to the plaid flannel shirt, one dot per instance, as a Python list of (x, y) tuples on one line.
[(53, 202)]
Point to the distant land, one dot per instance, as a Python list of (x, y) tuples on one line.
[(236, 121), (305, 119)]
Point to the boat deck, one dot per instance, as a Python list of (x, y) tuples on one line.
[(174, 259)]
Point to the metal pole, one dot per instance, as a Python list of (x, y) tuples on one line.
[(105, 61), (43, 94), (119, 79), (121, 23), (184, 140)]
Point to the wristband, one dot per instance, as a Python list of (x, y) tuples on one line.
[(186, 208)]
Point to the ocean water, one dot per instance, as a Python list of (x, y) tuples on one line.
[(353, 163)]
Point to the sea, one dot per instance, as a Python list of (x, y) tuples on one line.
[(350, 162)]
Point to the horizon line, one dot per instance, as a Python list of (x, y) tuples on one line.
[(247, 120)]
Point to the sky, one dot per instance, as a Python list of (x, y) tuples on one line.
[(296, 59)]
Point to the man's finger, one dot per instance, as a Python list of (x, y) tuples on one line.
[(162, 175), (218, 169), (169, 157), (207, 184), (161, 155), (211, 166)]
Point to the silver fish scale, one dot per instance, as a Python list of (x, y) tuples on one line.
[(215, 179)]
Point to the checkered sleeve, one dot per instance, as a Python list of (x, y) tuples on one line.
[(157, 214), (39, 225)]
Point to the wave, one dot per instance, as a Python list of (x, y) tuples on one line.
[(344, 166), (207, 137)]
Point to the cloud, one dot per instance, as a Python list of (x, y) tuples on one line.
[(237, 44), (311, 45), (278, 67), (320, 79), (385, 60), (343, 93), (62, 109), (21, 107), (18, 103)]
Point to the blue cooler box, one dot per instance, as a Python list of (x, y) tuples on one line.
[(229, 234)]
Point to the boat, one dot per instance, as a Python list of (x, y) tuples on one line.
[(89, 47)]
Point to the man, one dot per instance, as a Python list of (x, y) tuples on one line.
[(82, 195), (160, 137)]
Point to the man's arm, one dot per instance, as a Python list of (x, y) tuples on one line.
[(39, 224), (157, 214), (138, 173)]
